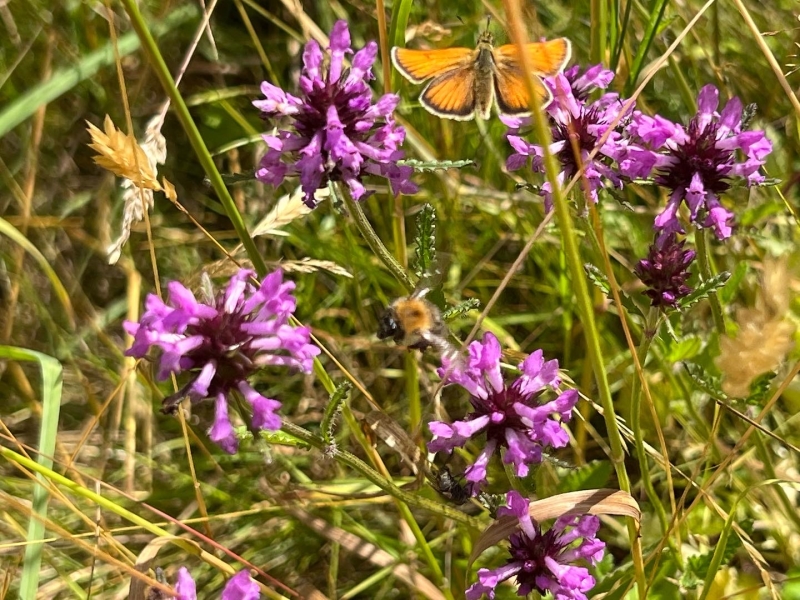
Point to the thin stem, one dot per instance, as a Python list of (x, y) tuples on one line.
[(650, 331), (372, 475), (583, 298), (374, 242), (704, 260), (193, 134)]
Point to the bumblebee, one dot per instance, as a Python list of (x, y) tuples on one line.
[(415, 322)]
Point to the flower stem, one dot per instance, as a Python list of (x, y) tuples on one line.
[(649, 333), (193, 134), (374, 242), (704, 260)]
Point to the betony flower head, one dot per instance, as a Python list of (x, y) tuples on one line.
[(665, 271), (338, 134), (698, 162), (512, 416), (576, 126), (542, 561), (239, 587), (222, 341)]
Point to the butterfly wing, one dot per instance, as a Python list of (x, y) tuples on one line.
[(452, 95), (545, 59), (419, 65)]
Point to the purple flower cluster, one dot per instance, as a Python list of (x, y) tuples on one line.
[(339, 134), (577, 128), (541, 561), (511, 416), (696, 163), (222, 341), (665, 271), (239, 587)]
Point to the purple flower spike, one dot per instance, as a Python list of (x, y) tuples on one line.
[(665, 271), (338, 134), (697, 163), (576, 126), (512, 416), (222, 342), (542, 561), (239, 587)]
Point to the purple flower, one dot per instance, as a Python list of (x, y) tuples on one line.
[(665, 271), (239, 587), (697, 163), (511, 415), (576, 127), (542, 561), (221, 342), (339, 134)]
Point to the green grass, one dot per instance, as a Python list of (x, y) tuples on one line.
[(128, 485)]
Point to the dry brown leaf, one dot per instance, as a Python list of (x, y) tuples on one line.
[(169, 189), (309, 265), (587, 502), (121, 154)]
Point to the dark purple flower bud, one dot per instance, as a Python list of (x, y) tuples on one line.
[(697, 163), (224, 341), (665, 271), (542, 561), (513, 417), (338, 133)]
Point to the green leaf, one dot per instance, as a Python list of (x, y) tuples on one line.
[(51, 408), (423, 166), (281, 438), (594, 475), (760, 388), (706, 382), (425, 241), (460, 309), (684, 349), (599, 279), (334, 406), (727, 293), (232, 178), (704, 289)]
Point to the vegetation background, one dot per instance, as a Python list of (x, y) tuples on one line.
[(729, 526)]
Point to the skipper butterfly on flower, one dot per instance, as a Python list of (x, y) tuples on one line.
[(465, 82)]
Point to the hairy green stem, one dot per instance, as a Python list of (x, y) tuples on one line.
[(192, 133), (372, 239), (704, 259)]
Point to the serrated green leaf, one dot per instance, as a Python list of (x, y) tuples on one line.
[(425, 241), (232, 178), (599, 279), (431, 165), (704, 289), (460, 309), (760, 388), (281, 438), (708, 383), (337, 398)]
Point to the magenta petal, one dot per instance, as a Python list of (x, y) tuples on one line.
[(241, 587)]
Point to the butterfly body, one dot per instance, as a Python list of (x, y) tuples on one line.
[(465, 82)]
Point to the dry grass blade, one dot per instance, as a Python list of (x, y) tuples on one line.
[(592, 502), (309, 265), (121, 154), (367, 551), (288, 208)]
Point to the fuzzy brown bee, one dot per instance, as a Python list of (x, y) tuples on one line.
[(415, 322)]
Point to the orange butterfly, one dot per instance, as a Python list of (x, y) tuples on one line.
[(466, 82)]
